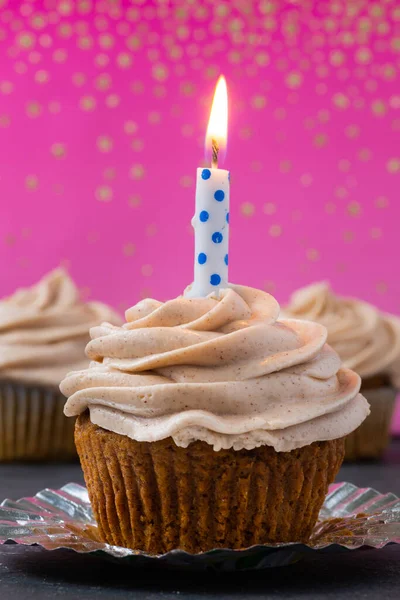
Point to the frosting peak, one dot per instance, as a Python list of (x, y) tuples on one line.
[(44, 330), (366, 339), (219, 369)]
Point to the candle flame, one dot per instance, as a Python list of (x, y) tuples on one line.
[(217, 130)]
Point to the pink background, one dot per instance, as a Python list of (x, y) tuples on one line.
[(103, 111)]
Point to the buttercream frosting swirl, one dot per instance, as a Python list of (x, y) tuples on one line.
[(219, 369), (44, 330), (366, 339)]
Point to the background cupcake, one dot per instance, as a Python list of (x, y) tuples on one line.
[(43, 333), (367, 341), (207, 423)]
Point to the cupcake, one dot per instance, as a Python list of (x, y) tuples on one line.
[(43, 334), (207, 423), (367, 341)]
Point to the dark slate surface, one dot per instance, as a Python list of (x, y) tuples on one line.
[(30, 572)]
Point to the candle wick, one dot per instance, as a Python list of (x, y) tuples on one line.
[(215, 151)]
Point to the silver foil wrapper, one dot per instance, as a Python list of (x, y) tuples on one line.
[(350, 518)]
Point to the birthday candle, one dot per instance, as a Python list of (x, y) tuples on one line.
[(211, 219)]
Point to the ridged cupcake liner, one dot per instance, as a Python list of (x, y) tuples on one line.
[(371, 438), (158, 496), (33, 426), (351, 518)]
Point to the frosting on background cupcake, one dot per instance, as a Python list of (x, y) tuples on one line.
[(366, 339), (44, 330), (222, 370)]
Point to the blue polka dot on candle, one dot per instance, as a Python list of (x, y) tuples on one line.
[(226, 259), (204, 216), (202, 258), (227, 218), (215, 279), (217, 237), (206, 174), (219, 195)]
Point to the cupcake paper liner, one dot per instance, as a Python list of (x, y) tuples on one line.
[(350, 518), (372, 437), (158, 496), (33, 425)]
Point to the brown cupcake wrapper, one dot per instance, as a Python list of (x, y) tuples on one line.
[(371, 438), (158, 496), (33, 425)]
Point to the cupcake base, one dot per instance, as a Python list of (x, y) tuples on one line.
[(33, 426), (158, 496), (371, 438)]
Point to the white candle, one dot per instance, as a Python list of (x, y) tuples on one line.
[(211, 219)]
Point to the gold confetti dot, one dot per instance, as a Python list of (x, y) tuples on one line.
[(137, 145), (130, 127), (129, 249), (26, 40), (306, 179), (85, 42), (112, 100), (103, 82), (187, 88), (137, 171), (9, 239), (393, 165), (381, 287), (365, 154), (389, 72), (5, 121), (320, 140), (378, 108), (294, 80), (104, 193), (154, 117), (78, 79), (363, 56), (58, 150), (354, 209), (395, 44), (20, 68), (159, 72), (31, 182), (258, 102), (124, 60), (60, 55), (110, 173), (186, 181), (348, 236), (33, 109), (6, 87), (247, 209), (376, 233), (262, 59), (330, 208), (133, 42), (147, 270), (381, 202), (341, 101), (134, 200), (269, 208), (344, 165), (104, 143), (275, 230), (87, 103), (337, 58), (106, 41), (341, 192), (352, 131), (151, 230), (312, 254), (101, 60), (42, 76), (285, 166)]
